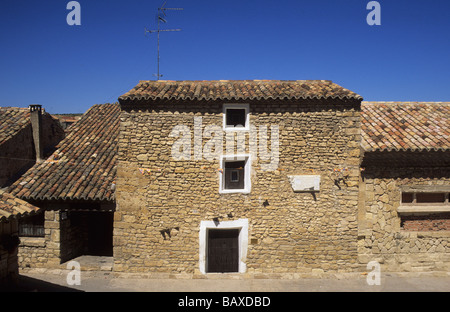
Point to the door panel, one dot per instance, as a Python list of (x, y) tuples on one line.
[(223, 250)]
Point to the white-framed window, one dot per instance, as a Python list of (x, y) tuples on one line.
[(236, 117), (207, 227), (235, 174)]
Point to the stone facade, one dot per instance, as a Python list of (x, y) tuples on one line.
[(383, 237), (161, 202), (42, 252), (15, 155)]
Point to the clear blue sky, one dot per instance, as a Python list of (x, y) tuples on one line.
[(67, 69)]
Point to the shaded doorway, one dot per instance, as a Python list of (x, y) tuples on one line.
[(223, 250), (86, 233), (100, 234)]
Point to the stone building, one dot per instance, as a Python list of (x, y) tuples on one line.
[(237, 176), (12, 210), (27, 135), (75, 189), (261, 178), (404, 214)]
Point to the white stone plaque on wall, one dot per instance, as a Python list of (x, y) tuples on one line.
[(305, 183)]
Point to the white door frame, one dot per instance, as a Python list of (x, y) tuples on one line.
[(241, 224)]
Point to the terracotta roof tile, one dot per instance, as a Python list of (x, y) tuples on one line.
[(237, 90), (414, 126), (13, 207), (12, 120), (84, 164)]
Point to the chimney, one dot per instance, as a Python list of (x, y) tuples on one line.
[(36, 125)]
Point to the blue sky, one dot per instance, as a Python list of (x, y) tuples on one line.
[(68, 69)]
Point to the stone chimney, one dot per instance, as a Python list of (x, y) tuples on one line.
[(36, 125)]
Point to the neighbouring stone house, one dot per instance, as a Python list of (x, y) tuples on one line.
[(27, 135), (251, 177), (75, 189), (404, 212), (12, 210)]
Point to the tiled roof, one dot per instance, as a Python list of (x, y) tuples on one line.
[(12, 120), (414, 126), (238, 90), (13, 207), (84, 165)]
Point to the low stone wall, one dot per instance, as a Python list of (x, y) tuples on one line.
[(32, 252)]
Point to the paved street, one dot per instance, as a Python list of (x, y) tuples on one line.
[(101, 281)]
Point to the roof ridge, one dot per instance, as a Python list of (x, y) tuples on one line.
[(237, 80), (237, 90)]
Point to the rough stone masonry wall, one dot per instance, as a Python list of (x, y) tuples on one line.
[(42, 252), (16, 155), (381, 237), (288, 232)]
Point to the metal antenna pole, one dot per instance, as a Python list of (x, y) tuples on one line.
[(159, 30), (162, 10)]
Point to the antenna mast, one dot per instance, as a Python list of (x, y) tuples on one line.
[(162, 12)]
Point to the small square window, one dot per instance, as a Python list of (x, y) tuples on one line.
[(236, 116), (235, 174)]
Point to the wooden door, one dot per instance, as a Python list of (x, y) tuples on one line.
[(223, 250)]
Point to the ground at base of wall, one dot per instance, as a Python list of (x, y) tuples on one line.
[(319, 274), (96, 281)]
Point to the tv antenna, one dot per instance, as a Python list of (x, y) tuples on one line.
[(161, 19)]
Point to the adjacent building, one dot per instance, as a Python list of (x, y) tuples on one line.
[(27, 136), (12, 211), (75, 189), (404, 214)]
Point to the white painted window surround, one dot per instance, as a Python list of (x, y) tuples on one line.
[(241, 224), (247, 179), (236, 106)]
